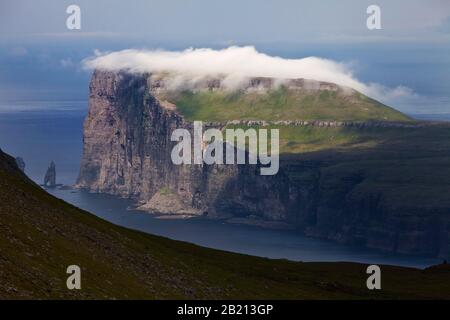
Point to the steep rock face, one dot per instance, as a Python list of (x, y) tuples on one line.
[(127, 144), (20, 163), (50, 176), (127, 151)]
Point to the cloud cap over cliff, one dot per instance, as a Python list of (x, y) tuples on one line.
[(236, 63)]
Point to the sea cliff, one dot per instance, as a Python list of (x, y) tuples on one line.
[(350, 196)]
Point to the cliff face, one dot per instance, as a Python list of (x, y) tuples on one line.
[(127, 141), (127, 151)]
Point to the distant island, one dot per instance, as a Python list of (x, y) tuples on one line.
[(352, 170)]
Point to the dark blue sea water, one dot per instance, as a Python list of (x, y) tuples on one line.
[(41, 136)]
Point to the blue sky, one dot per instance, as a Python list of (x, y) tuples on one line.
[(40, 58)]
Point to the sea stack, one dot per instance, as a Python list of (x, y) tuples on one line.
[(20, 164), (50, 176)]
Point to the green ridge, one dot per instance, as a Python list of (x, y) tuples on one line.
[(281, 104)]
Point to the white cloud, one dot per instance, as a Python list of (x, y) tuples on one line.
[(18, 51), (66, 63), (237, 63)]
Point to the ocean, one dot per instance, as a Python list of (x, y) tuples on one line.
[(41, 135)]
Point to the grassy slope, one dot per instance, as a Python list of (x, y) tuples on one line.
[(41, 235), (409, 166), (281, 104)]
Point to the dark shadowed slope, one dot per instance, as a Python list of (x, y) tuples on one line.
[(40, 236)]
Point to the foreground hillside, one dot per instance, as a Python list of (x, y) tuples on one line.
[(41, 235)]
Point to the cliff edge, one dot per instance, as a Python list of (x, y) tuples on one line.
[(360, 181)]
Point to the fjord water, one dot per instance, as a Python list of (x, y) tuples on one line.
[(41, 136)]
